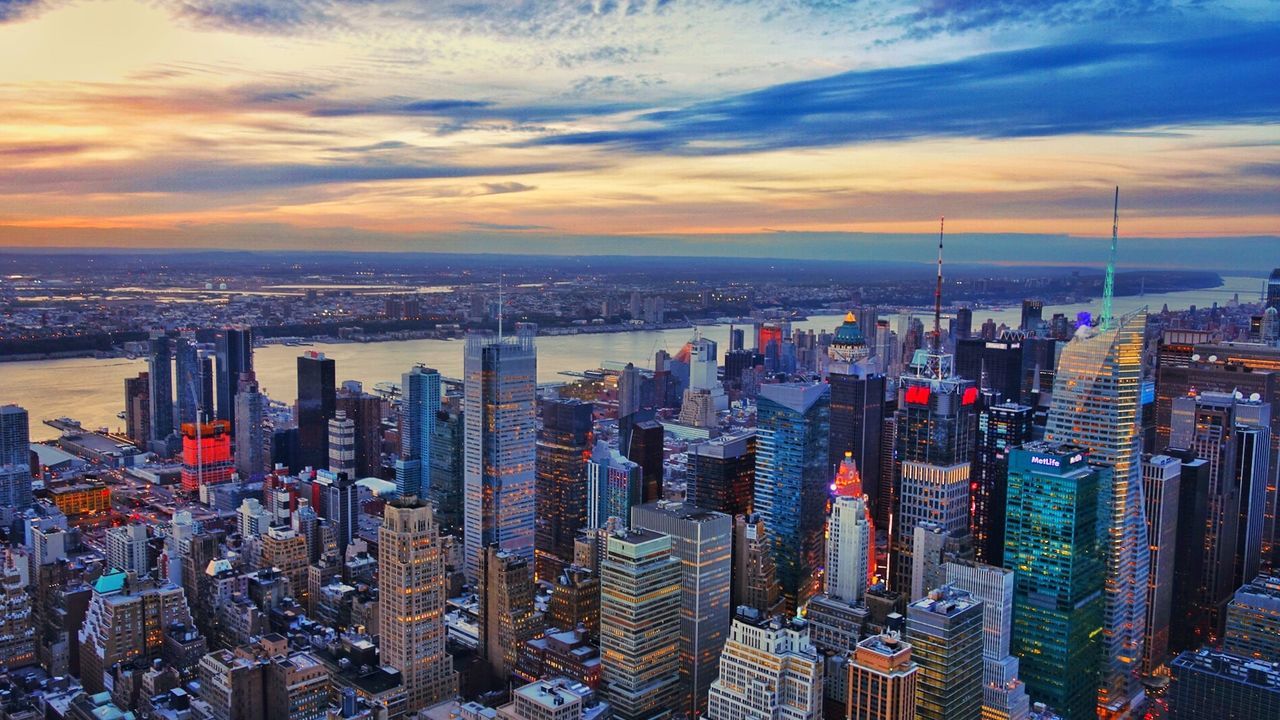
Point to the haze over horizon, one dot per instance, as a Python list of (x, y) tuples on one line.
[(779, 128)]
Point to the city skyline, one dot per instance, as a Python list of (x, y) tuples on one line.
[(697, 128)]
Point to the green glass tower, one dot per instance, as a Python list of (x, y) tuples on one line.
[(1052, 544)]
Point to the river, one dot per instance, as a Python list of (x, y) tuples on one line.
[(92, 390)]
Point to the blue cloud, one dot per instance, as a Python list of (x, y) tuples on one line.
[(12, 10), (268, 16), (1057, 90)]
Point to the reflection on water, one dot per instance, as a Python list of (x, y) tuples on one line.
[(92, 391)]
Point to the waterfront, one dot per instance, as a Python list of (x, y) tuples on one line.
[(92, 390)]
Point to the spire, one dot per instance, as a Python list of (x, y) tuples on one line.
[(937, 296), (1109, 284), (500, 306)]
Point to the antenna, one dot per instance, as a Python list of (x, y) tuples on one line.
[(500, 275), (1109, 284), (937, 296)]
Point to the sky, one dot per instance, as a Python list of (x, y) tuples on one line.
[(763, 127)]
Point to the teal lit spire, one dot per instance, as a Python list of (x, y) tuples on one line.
[(1109, 285)]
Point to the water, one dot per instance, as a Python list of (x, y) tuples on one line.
[(92, 391)]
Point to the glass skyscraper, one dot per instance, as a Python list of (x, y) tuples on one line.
[(1053, 545), (1096, 396), (419, 403), (500, 429), (15, 458), (562, 449), (791, 482)]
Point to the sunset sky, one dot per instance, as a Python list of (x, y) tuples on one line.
[(694, 127)]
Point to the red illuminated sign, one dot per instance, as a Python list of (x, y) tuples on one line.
[(918, 395), (970, 396)]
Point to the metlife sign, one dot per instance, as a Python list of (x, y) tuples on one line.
[(1049, 461)]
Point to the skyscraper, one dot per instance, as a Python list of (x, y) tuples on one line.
[(934, 450), (412, 602), (994, 365), (614, 486), (563, 444), (857, 404), (160, 376), (447, 465), (234, 352), (1004, 696), (945, 632), (640, 625), (722, 473), (1212, 684), (126, 621), (1253, 620), (1096, 395), (882, 680), (342, 444), (252, 445), (1032, 315), (15, 458), (419, 404), (508, 619), (137, 408), (768, 669), (1233, 436), (1161, 484), (316, 405), (127, 548), (1053, 545), (500, 379), (702, 541), (206, 455), (365, 410), (791, 482), (188, 380), (755, 576), (1000, 428), (851, 551)]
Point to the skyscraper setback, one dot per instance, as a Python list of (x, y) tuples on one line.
[(499, 408)]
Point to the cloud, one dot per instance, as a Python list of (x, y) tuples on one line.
[(932, 17), (14, 10), (1057, 90), (266, 16), (500, 227)]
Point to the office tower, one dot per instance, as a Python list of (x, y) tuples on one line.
[(722, 473), (1212, 684), (1161, 485), (365, 410), (317, 400), (640, 582), (1273, 289), (340, 505), (575, 600), (411, 601), (1032, 315), (882, 680), (342, 444), (17, 619), (702, 541), (1189, 623), (628, 390), (231, 683), (189, 391), (251, 518), (851, 550), (1253, 620), (500, 376), (755, 576), (508, 619), (160, 391), (1095, 406), (563, 444), (285, 549), (15, 458), (447, 465), (703, 372), (614, 486), (1000, 428), (137, 408), (793, 428), (645, 446), (125, 621), (251, 444), (296, 684), (934, 449), (1232, 435), (208, 381), (206, 455), (994, 365), (857, 404), (1004, 696), (1053, 544), (419, 404), (945, 632), (127, 549), (1191, 363), (768, 669), (234, 352), (963, 326), (557, 698)]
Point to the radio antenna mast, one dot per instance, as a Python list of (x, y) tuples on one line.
[(937, 296), (1109, 284)]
